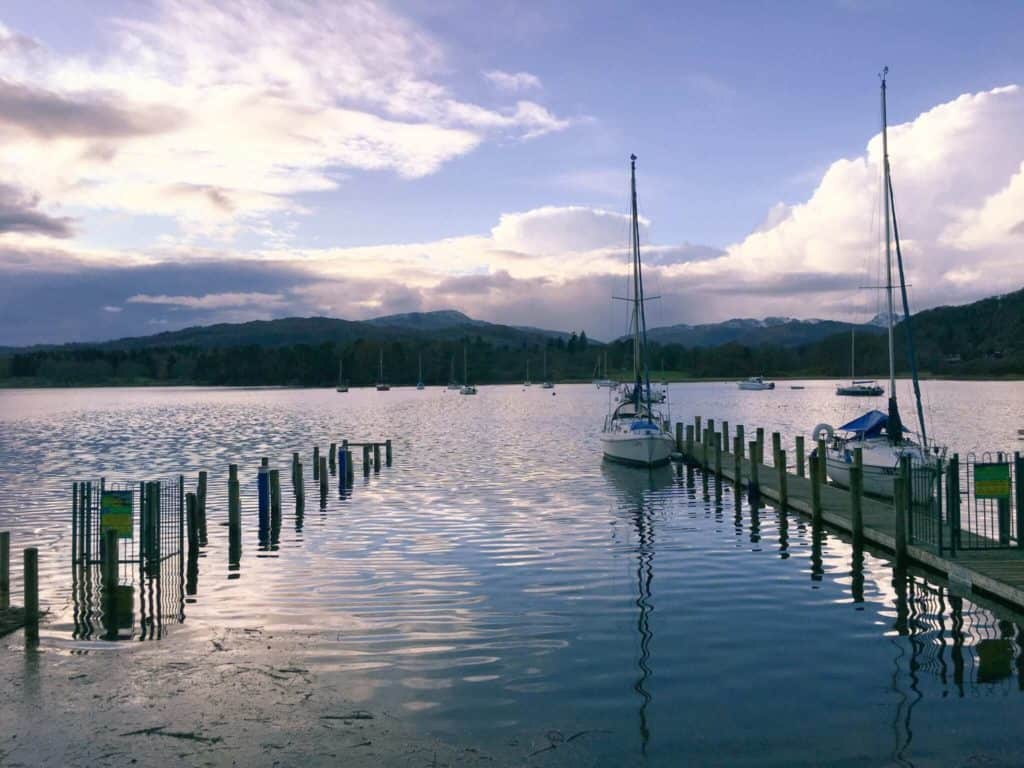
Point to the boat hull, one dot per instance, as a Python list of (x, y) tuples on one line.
[(855, 391), (638, 450), (878, 480)]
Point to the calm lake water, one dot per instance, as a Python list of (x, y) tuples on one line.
[(499, 585)]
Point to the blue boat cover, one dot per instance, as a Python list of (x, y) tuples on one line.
[(636, 426), (870, 424)]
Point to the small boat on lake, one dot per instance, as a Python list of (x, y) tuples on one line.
[(635, 432), (467, 388), (382, 386), (419, 381), (452, 383), (342, 384), (858, 388), (601, 380), (755, 383), (548, 384)]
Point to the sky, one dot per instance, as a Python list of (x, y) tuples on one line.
[(178, 162)]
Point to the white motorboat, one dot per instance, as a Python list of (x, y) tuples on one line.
[(635, 432), (756, 383), (882, 437)]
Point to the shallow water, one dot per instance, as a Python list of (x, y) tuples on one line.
[(500, 585)]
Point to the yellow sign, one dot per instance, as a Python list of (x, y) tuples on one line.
[(992, 481), (116, 512)]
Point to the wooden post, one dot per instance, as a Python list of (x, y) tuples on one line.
[(366, 460), (351, 467), (295, 465), (696, 427), (780, 463), (725, 436), (387, 451), (755, 480), (332, 457), (1018, 487), (822, 463), (300, 484), (776, 446), (815, 490), (737, 459), (264, 462), (275, 498), (799, 455), (31, 582), (316, 462), (759, 438), (323, 480), (856, 496), (192, 519), (263, 486), (900, 500), (718, 453), (201, 505), (376, 457), (742, 437), (5, 570), (689, 442), (679, 437), (234, 516)]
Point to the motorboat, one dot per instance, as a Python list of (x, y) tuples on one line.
[(755, 383)]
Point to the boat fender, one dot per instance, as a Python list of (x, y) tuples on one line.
[(816, 433)]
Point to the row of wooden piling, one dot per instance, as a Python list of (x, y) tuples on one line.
[(10, 617), (702, 443)]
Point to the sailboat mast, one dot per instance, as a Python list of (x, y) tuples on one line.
[(853, 375), (465, 367), (639, 316), (888, 245)]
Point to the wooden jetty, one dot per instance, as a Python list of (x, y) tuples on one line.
[(997, 571)]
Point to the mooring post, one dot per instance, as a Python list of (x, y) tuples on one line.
[(332, 454), (234, 516), (856, 495), (689, 442), (342, 471), (30, 579), (780, 463), (201, 505), (737, 461), (323, 480), (799, 455), (275, 498), (718, 454), (5, 570), (295, 466), (822, 462), (754, 470), (387, 451), (366, 460), (815, 490), (74, 528), (263, 487), (725, 436), (679, 437), (953, 505), (351, 467), (705, 449), (192, 519), (696, 427), (1018, 487), (742, 437), (316, 462), (759, 434), (300, 484), (900, 501), (376, 457)]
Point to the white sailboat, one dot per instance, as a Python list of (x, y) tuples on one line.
[(601, 380), (342, 384), (419, 381), (382, 386), (467, 388), (858, 387), (548, 384), (882, 438), (527, 382), (635, 432)]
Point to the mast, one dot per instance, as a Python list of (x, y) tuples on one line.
[(894, 426), (380, 377), (853, 376), (421, 368), (465, 367), (639, 316)]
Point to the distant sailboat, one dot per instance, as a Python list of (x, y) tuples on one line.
[(601, 380), (548, 384), (452, 383), (382, 386), (467, 388), (342, 384), (527, 382), (635, 432), (882, 438), (419, 382), (858, 388)]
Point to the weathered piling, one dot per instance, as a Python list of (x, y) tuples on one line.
[(5, 570), (342, 471), (856, 494), (376, 457), (689, 440), (323, 481), (740, 434), (264, 462), (30, 579), (201, 506), (754, 473), (234, 516), (725, 435), (263, 488), (696, 427), (295, 465), (759, 439), (718, 453), (737, 458), (366, 460), (900, 502), (332, 457), (300, 484), (799, 455), (192, 523), (776, 447), (822, 462), (705, 448), (387, 451), (780, 464), (350, 467), (316, 462), (679, 436), (815, 490), (275, 499)]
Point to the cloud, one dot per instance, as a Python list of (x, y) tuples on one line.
[(212, 300), (19, 213), (513, 81), (558, 229), (217, 115)]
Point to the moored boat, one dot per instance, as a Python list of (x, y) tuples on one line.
[(755, 383)]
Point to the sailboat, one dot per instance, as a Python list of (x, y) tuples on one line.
[(452, 383), (342, 384), (467, 388), (382, 386), (601, 380), (548, 384), (634, 431), (882, 437), (419, 381), (858, 387), (527, 382)]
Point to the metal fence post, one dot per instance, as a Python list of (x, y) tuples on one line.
[(1018, 487), (953, 494), (908, 485), (856, 496)]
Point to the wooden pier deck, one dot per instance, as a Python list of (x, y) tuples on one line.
[(996, 572)]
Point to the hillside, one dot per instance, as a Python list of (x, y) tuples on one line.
[(773, 331)]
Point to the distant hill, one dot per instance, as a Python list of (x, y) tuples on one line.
[(747, 332)]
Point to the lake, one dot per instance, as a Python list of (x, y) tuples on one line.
[(497, 596)]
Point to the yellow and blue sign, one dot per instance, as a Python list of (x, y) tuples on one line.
[(116, 513), (992, 481)]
